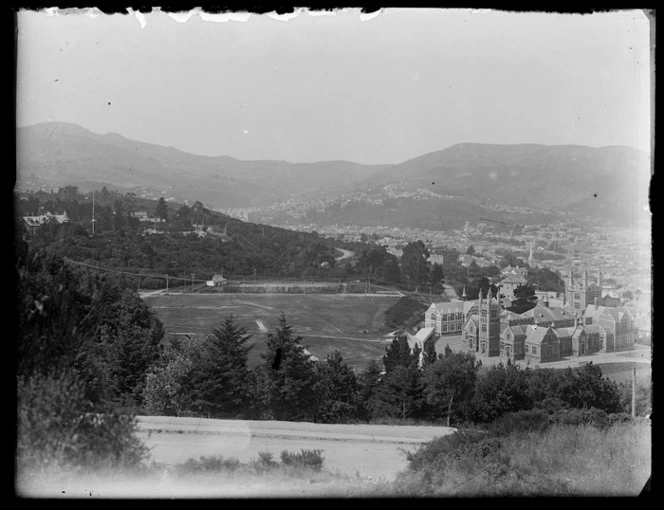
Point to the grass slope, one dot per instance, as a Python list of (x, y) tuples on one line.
[(352, 324)]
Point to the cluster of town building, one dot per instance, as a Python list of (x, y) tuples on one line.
[(583, 323)]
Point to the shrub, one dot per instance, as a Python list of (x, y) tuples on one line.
[(522, 421), (58, 427), (596, 417), (442, 449), (265, 460), (306, 458), (619, 418), (209, 464)]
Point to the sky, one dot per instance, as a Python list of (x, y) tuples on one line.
[(373, 89)]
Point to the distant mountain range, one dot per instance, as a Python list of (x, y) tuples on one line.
[(440, 189)]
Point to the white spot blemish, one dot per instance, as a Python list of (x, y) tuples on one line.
[(371, 15), (246, 132), (493, 175)]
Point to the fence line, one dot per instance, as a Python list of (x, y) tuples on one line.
[(257, 284)]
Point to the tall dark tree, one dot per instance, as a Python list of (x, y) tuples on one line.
[(223, 378), (392, 271), (449, 383), (161, 210), (368, 381), (338, 390), (398, 353), (285, 379), (400, 393), (587, 388), (437, 277), (524, 299), (414, 263), (498, 391)]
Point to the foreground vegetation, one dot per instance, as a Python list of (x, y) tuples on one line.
[(522, 454)]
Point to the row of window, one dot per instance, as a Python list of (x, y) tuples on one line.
[(454, 326), (449, 317)]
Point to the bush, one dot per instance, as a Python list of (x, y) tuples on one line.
[(443, 449), (306, 458), (595, 417), (620, 418), (265, 460), (522, 421), (58, 427), (209, 464)]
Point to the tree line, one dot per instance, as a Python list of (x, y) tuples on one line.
[(88, 347), (212, 379)]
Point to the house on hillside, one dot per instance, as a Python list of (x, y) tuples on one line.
[(32, 223), (510, 283)]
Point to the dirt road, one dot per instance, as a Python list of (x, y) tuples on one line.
[(371, 450)]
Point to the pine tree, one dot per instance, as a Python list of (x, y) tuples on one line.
[(338, 390), (368, 381), (398, 353), (286, 378), (400, 393), (161, 211), (223, 377)]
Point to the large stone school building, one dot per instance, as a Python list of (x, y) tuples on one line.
[(542, 334)]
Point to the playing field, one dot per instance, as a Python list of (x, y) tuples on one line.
[(353, 324)]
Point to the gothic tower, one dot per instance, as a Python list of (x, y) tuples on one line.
[(489, 334)]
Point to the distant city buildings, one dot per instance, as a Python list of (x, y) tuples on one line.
[(543, 334)]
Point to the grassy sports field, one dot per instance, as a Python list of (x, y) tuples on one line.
[(353, 324)]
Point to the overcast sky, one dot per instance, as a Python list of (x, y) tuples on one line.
[(314, 88)]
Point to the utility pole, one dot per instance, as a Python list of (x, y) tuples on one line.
[(192, 281), (93, 213)]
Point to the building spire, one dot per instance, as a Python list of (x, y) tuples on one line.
[(463, 294)]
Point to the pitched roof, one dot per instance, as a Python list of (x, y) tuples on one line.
[(459, 306), (507, 315), (423, 334), (616, 312), (474, 318), (449, 307), (565, 332), (514, 278), (518, 330), (548, 313), (537, 335), (592, 328)]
